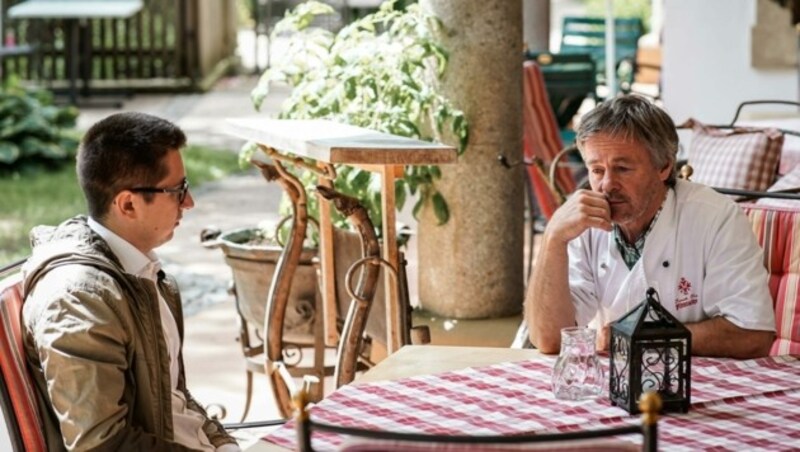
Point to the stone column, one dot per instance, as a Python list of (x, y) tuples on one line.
[(471, 267)]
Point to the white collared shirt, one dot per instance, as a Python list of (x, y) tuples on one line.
[(187, 424)]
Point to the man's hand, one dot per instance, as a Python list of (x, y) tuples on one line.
[(548, 303), (583, 210)]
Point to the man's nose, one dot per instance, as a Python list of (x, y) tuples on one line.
[(188, 202), (607, 182)]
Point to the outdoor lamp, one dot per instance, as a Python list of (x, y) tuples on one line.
[(650, 351)]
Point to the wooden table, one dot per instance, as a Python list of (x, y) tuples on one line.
[(74, 12), (329, 143), (413, 360)]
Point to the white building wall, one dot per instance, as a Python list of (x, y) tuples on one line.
[(706, 69)]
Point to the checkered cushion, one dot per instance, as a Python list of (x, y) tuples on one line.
[(12, 363), (778, 233), (743, 157), (790, 180)]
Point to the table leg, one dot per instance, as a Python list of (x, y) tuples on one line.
[(327, 266), (394, 323)]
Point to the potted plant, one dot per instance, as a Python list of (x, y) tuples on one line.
[(379, 72)]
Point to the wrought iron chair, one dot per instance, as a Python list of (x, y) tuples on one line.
[(548, 180), (275, 351), (360, 328), (568, 79), (17, 394), (650, 406)]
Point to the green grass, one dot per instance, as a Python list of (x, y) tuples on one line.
[(49, 197)]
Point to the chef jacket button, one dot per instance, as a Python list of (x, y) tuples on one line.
[(603, 265), (665, 264)]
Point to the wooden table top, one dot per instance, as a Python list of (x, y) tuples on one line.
[(333, 142), (413, 360)]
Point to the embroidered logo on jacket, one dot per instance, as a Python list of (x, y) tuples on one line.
[(685, 296)]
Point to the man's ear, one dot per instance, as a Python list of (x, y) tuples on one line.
[(124, 204), (666, 171)]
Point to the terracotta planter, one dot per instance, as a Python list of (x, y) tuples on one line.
[(253, 266)]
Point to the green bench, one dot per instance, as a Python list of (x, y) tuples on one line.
[(587, 35)]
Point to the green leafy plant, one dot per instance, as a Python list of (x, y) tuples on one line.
[(379, 72), (33, 130)]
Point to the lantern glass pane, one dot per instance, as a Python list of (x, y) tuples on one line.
[(661, 367), (620, 348)]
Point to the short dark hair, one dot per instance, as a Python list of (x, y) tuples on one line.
[(633, 117), (122, 151)]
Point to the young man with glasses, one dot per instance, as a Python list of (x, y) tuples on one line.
[(103, 324)]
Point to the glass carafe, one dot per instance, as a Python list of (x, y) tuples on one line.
[(577, 374)]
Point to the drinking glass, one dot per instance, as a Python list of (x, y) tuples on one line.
[(577, 374)]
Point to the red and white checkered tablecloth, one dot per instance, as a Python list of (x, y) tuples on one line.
[(751, 404)]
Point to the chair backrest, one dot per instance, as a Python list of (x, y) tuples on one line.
[(778, 232), (541, 139), (588, 35), (351, 339), (604, 439), (17, 394), (568, 79)]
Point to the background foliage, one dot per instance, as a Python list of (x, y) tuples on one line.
[(33, 131), (49, 196)]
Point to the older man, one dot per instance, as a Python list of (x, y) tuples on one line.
[(103, 325), (639, 227)]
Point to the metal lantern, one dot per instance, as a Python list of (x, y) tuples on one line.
[(650, 351)]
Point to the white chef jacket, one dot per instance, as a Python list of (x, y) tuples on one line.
[(701, 257)]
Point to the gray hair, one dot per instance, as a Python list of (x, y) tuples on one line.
[(634, 118)]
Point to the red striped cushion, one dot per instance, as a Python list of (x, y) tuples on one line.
[(541, 137), (778, 233), (12, 363)]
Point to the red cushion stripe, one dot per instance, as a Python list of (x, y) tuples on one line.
[(12, 362), (778, 233), (541, 138)]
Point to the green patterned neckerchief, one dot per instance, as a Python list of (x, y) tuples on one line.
[(632, 253)]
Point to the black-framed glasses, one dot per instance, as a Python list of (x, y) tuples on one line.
[(180, 191)]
